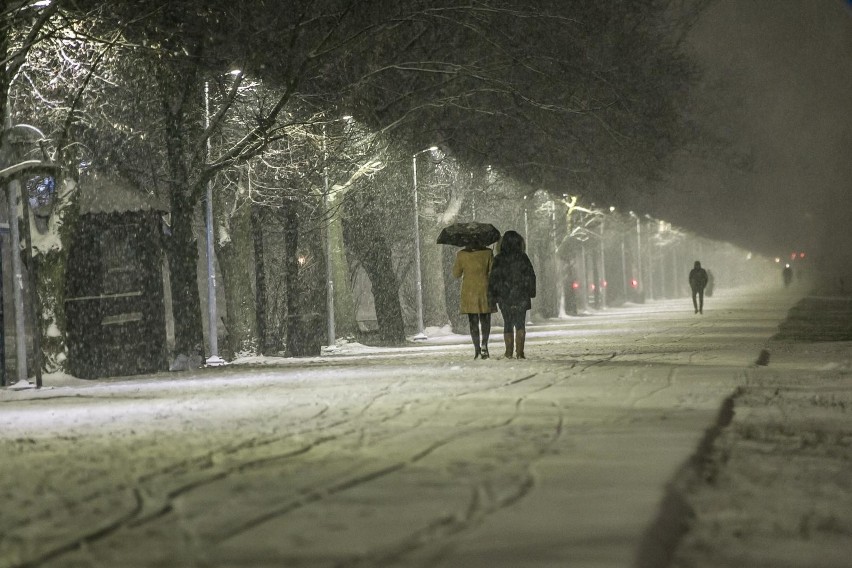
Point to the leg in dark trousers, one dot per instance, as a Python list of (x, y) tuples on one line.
[(701, 301), (485, 324), (473, 323), (695, 299)]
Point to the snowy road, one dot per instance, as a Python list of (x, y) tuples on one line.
[(415, 457)]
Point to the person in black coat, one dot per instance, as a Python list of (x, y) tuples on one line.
[(697, 283), (511, 284)]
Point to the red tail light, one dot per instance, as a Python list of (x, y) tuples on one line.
[(634, 283), (575, 285)]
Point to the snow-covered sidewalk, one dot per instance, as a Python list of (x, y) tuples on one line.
[(774, 487)]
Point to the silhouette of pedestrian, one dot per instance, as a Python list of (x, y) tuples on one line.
[(697, 283), (787, 274), (511, 285)]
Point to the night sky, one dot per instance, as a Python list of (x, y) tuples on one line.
[(779, 89)]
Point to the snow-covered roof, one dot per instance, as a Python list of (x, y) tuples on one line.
[(101, 193)]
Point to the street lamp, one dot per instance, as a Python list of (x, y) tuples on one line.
[(11, 174), (213, 336), (329, 265), (212, 318), (421, 334)]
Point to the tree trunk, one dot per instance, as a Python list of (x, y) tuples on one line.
[(369, 245), (293, 326), (435, 307), (452, 291), (345, 323), (235, 260), (183, 271), (50, 263), (182, 246), (51, 292), (260, 293)]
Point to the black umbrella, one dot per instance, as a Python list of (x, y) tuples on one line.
[(469, 234)]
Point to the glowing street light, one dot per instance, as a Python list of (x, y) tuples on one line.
[(421, 333)]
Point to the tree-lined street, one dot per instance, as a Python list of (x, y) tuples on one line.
[(230, 331), (269, 144)]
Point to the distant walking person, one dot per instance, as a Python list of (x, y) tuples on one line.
[(511, 285), (697, 282), (787, 274), (473, 264)]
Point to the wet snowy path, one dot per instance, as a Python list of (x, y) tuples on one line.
[(415, 457)]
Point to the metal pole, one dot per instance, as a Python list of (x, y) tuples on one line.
[(18, 278), (625, 285), (557, 273), (2, 320), (639, 276), (212, 318), (329, 268), (651, 246), (35, 308), (602, 282), (527, 246), (421, 334), (584, 257)]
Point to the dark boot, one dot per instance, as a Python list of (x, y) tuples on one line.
[(520, 338), (509, 338), (485, 351)]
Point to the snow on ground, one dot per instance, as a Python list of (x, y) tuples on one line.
[(420, 456), (775, 489)]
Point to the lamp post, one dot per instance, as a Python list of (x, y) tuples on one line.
[(12, 174), (640, 284), (527, 244), (213, 337), (602, 283), (557, 273), (421, 334), (649, 266), (329, 265)]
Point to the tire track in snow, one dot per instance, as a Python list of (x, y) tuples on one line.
[(321, 493), (483, 503), (151, 507)]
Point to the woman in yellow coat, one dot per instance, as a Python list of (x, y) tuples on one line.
[(473, 265)]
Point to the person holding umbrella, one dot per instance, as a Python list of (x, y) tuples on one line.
[(472, 265), (511, 284)]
